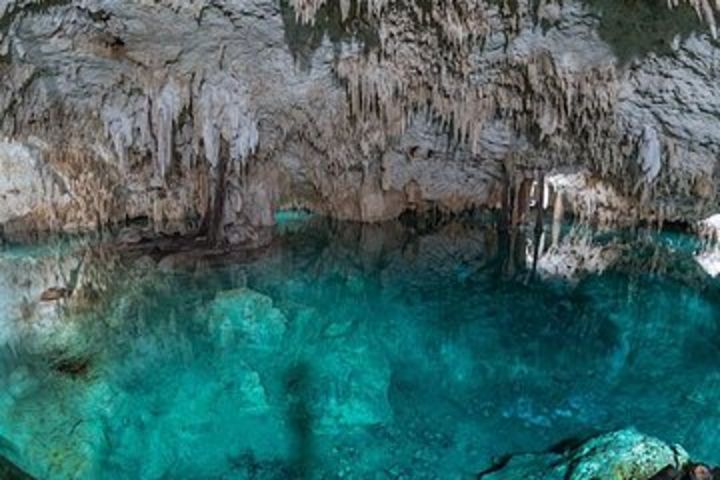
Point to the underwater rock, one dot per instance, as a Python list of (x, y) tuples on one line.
[(622, 455), (73, 367), (243, 315), (351, 390), (53, 294), (9, 471)]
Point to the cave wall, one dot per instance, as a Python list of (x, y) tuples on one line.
[(204, 117)]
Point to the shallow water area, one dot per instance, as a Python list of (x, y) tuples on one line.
[(349, 351)]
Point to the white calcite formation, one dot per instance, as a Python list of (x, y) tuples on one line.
[(649, 155), (575, 257), (21, 182), (708, 257), (709, 228), (589, 198)]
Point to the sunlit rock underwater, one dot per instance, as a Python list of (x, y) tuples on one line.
[(399, 350)]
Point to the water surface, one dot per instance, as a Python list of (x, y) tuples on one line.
[(343, 351)]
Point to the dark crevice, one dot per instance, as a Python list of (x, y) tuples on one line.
[(216, 204), (41, 6), (10, 471), (635, 28), (303, 39)]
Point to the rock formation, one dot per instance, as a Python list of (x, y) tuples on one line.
[(623, 455), (202, 118)]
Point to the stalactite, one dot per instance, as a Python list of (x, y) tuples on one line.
[(649, 155), (564, 109), (223, 112), (516, 205), (119, 128), (539, 202), (224, 117), (167, 105), (558, 217), (149, 121), (537, 94), (708, 256), (709, 229), (532, 94), (306, 10), (705, 10), (590, 199), (206, 111)]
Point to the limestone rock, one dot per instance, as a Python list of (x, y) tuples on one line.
[(247, 316), (622, 455)]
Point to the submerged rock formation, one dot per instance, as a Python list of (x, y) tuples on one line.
[(9, 471), (623, 455), (202, 118)]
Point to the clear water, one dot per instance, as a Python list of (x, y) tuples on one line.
[(343, 351)]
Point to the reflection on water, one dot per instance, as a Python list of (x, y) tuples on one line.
[(393, 351)]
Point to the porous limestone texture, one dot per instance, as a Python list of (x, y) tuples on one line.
[(622, 455), (204, 117)]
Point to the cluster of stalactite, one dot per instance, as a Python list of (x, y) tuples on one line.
[(199, 130), (208, 117), (704, 8), (152, 119), (441, 58), (174, 121), (529, 93), (570, 114), (306, 10)]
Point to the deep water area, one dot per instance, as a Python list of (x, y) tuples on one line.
[(401, 350)]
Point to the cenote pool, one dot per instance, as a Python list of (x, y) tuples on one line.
[(347, 351)]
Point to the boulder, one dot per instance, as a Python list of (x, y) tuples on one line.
[(243, 315), (622, 455)]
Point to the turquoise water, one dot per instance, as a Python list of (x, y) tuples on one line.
[(342, 351)]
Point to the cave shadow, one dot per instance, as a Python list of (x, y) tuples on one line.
[(300, 418)]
